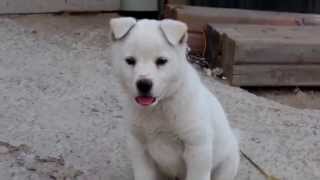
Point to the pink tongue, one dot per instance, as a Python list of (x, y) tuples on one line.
[(145, 100)]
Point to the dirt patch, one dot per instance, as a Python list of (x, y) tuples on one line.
[(20, 162), (302, 98)]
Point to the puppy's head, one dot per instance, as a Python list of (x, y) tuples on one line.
[(148, 57)]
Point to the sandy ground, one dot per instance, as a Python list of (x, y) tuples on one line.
[(61, 109)]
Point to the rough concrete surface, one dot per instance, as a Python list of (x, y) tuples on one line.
[(61, 109)]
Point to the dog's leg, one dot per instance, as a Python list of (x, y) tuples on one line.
[(227, 170), (198, 159), (143, 166)]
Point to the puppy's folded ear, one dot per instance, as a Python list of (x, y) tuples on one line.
[(174, 31), (120, 27)]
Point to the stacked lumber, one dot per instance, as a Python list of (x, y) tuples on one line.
[(198, 17), (260, 55)]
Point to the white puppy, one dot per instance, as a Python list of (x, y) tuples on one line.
[(177, 128)]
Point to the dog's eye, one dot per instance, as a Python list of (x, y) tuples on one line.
[(131, 61), (161, 61)]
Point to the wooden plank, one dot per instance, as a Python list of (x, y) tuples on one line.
[(272, 51), (196, 41), (276, 75), (311, 20), (45, 6), (290, 33), (198, 17), (256, 44), (256, 55), (214, 46), (227, 56), (281, 45)]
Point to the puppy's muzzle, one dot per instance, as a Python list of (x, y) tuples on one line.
[(144, 86)]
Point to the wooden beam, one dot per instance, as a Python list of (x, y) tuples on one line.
[(197, 17), (275, 75), (263, 55), (254, 43)]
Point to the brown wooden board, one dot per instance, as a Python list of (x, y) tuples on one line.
[(197, 17), (262, 55), (263, 44), (197, 43), (214, 45), (227, 56), (276, 75)]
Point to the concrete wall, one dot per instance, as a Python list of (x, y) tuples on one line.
[(39, 6), (139, 5)]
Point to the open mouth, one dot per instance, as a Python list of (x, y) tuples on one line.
[(145, 100)]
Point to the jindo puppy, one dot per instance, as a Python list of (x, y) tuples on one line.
[(177, 128)]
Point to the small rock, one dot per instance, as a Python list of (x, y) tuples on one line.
[(94, 110), (34, 177), (217, 71), (297, 90), (208, 71)]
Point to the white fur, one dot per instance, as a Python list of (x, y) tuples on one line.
[(173, 30), (121, 26), (185, 134)]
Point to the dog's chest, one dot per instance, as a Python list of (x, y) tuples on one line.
[(163, 145)]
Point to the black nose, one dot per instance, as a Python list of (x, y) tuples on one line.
[(144, 86)]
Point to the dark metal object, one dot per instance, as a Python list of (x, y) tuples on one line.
[(200, 61)]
